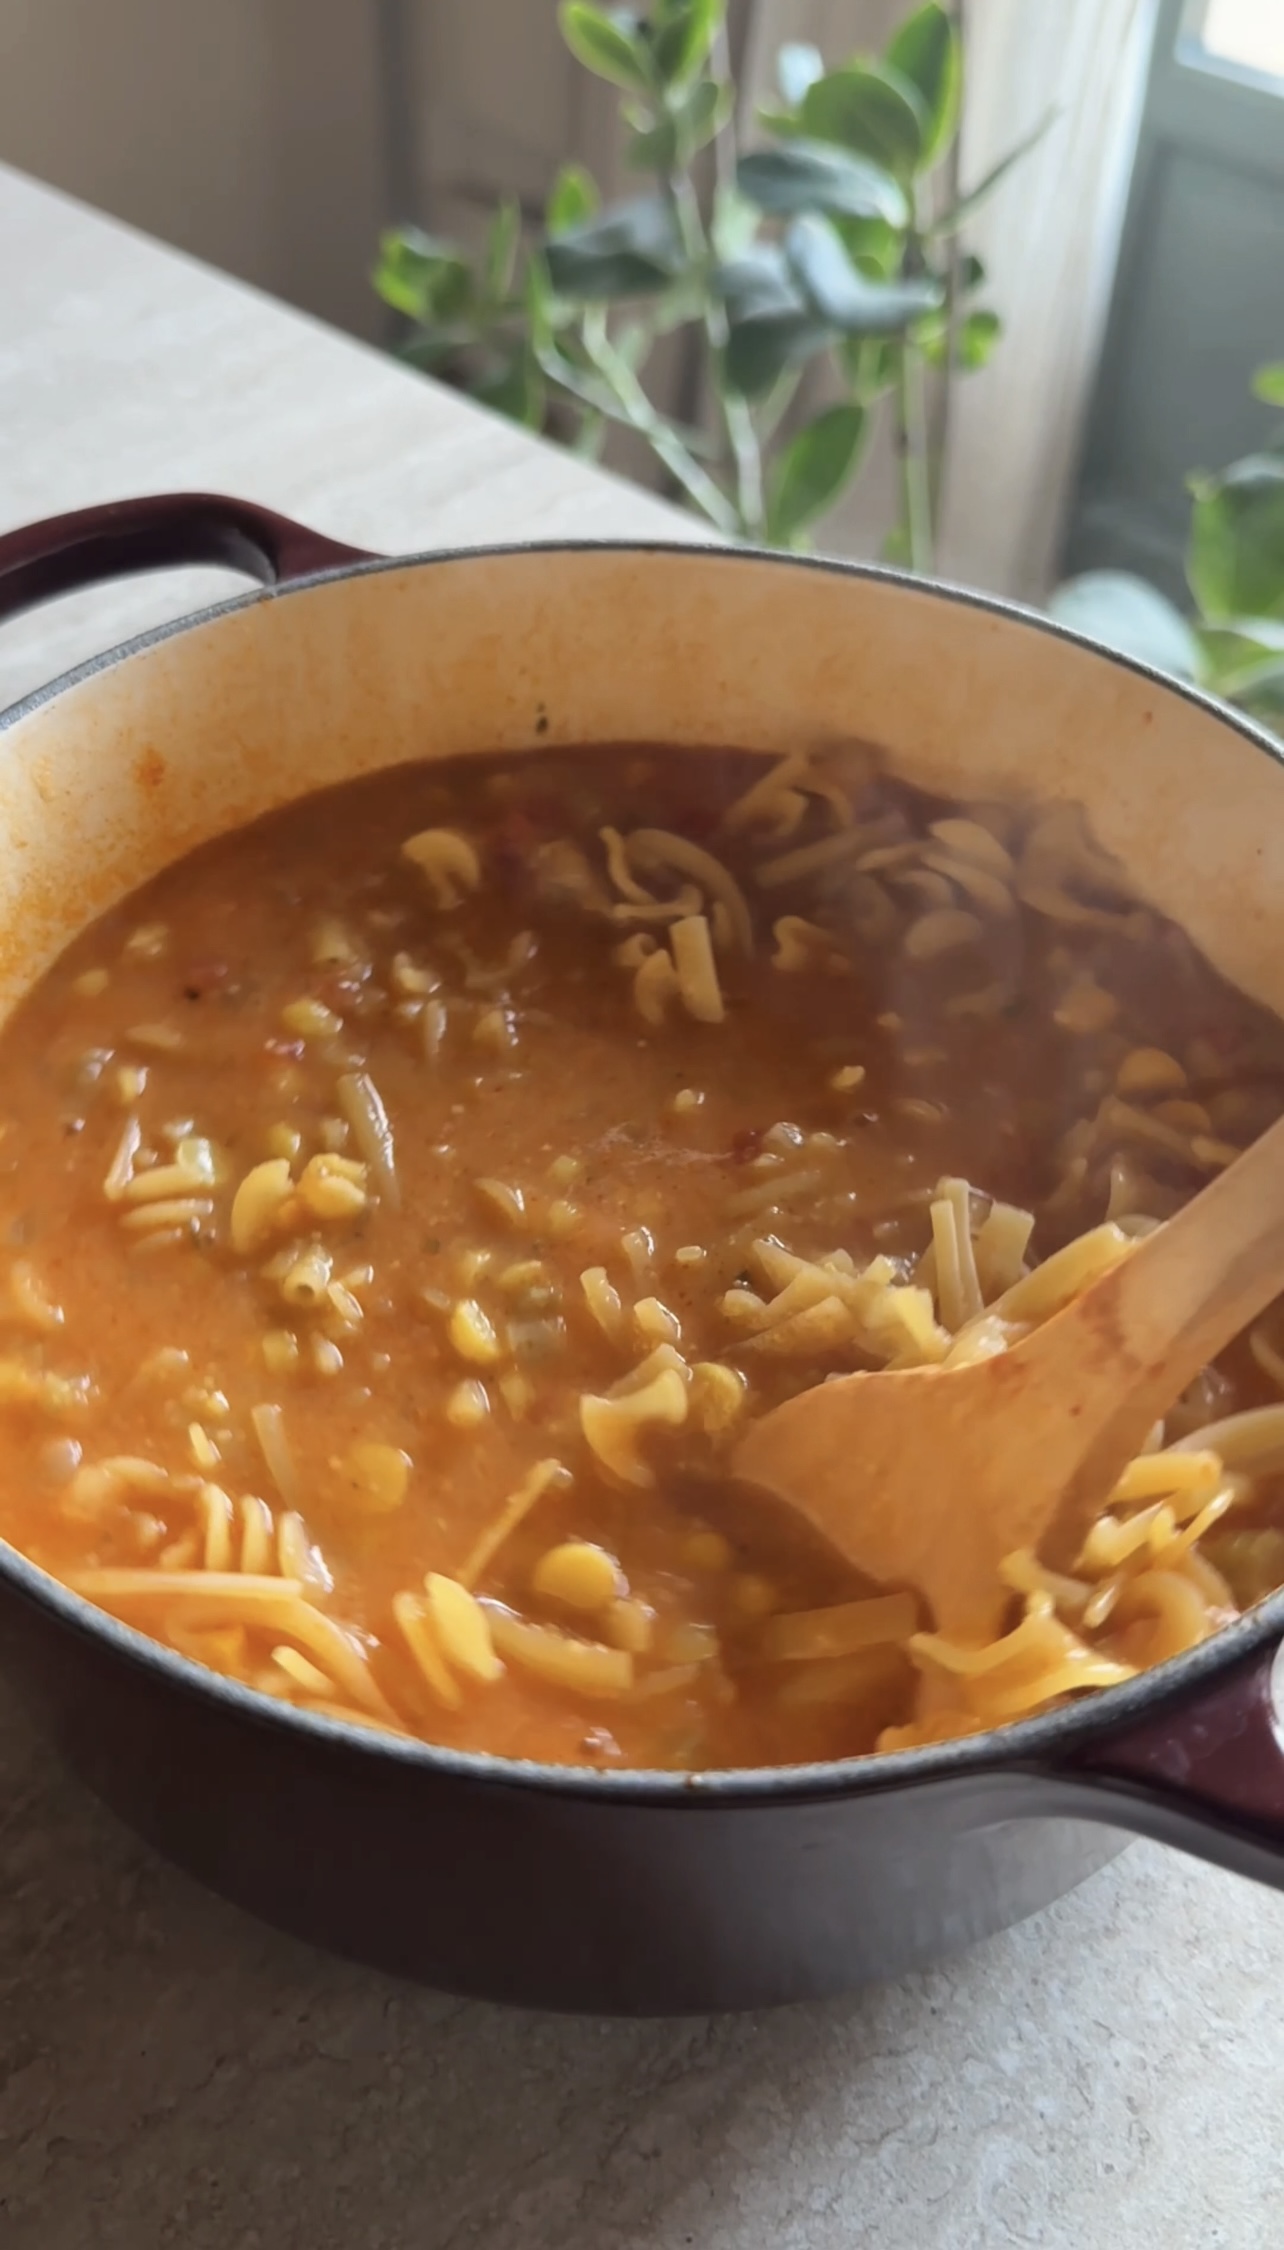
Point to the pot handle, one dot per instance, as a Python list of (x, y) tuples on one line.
[(1206, 1774), (161, 531)]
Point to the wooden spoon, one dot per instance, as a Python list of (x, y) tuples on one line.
[(929, 1476)]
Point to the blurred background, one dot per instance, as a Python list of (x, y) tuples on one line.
[(1135, 254)]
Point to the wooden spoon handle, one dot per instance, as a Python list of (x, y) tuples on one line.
[(1148, 1327)]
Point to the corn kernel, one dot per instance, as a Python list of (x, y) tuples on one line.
[(629, 1624), (379, 1476), (462, 1628), (707, 1550), (753, 1596), (578, 1574), (280, 1351), (311, 1019), (1148, 1070), (473, 1334), (468, 1405)]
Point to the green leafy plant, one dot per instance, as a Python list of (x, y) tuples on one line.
[(1233, 645), (837, 242)]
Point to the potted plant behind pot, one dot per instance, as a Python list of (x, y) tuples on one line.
[(1234, 644), (834, 247)]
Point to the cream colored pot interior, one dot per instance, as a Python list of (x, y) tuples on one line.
[(103, 785)]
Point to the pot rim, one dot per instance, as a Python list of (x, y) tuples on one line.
[(1031, 1745)]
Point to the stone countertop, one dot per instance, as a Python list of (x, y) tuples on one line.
[(172, 2074)]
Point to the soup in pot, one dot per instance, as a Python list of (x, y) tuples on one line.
[(405, 1201)]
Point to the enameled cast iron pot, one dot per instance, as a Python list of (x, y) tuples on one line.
[(621, 1892)]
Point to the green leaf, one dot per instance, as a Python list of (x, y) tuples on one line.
[(417, 273), (1129, 615), (808, 176), (572, 199), (758, 286), (798, 66), (813, 470), (501, 250), (1235, 560), (967, 205), (872, 245), (516, 389), (1268, 384), (654, 148), (631, 250), (867, 108), (975, 337), (843, 296), (734, 225), (759, 351), (682, 33), (691, 123), (607, 42), (1246, 667), (926, 51)]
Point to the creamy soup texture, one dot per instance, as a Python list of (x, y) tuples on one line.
[(404, 1202)]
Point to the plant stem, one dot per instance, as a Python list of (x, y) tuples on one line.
[(945, 389), (911, 445), (637, 411), (742, 438)]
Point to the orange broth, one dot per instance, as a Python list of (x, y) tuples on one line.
[(419, 1326)]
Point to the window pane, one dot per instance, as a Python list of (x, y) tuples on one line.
[(1247, 32)]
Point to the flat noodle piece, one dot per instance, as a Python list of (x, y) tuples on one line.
[(233, 1597), (580, 1667), (941, 930), (269, 1428), (810, 859), (462, 1628), (763, 798), (302, 1673), (516, 1508), (612, 1427), (949, 1288), (258, 1535), (1001, 1243), (967, 840), (620, 872), (804, 1636), (215, 1508), (802, 946), (121, 1169), (661, 848), (415, 1624), (1063, 1276), (362, 1105), (1252, 1442), (654, 985), (448, 863), (697, 972), (958, 1195)]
